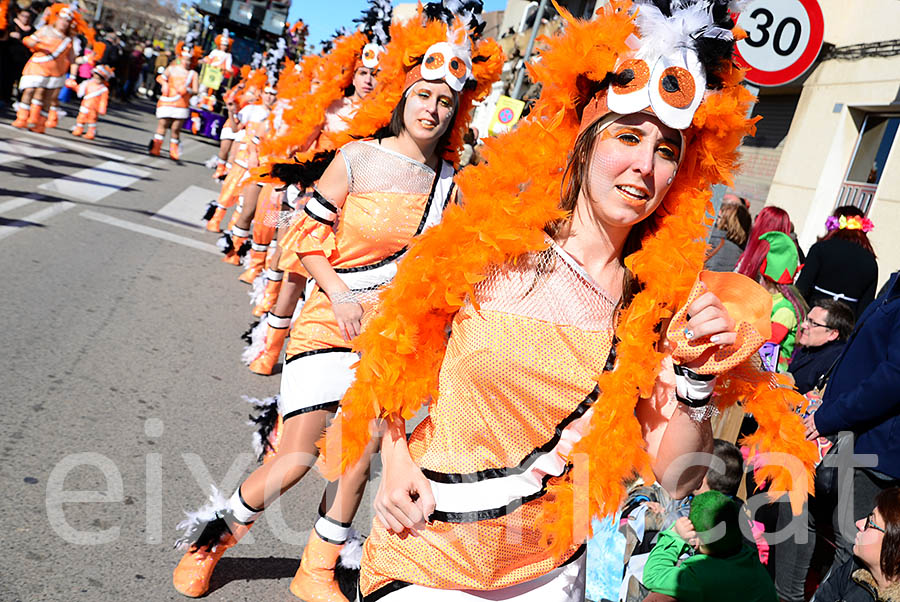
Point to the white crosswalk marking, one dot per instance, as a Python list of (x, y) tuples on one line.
[(96, 183), (186, 209), (18, 149), (79, 146), (13, 204), (161, 234), (38, 217)]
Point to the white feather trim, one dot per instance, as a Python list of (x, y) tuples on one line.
[(222, 242), (212, 162), (257, 343), (258, 289), (661, 35), (194, 521), (351, 553)]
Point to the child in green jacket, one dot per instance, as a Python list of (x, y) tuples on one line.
[(704, 557)]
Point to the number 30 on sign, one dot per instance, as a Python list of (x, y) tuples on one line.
[(784, 38)]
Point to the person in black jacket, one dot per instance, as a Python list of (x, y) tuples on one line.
[(842, 264), (820, 339), (873, 573)]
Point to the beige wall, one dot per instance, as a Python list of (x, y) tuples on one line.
[(823, 134)]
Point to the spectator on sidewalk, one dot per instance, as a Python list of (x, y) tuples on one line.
[(820, 340), (770, 219), (842, 264), (13, 53), (728, 237), (873, 573), (863, 396)]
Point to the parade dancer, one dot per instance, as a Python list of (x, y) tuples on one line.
[(218, 58), (231, 98), (387, 190), (178, 83), (582, 348), (253, 110), (342, 81), (94, 96), (45, 73)]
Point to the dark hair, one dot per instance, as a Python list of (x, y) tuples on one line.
[(729, 480), (573, 184), (395, 126), (888, 504), (840, 317), (855, 236)]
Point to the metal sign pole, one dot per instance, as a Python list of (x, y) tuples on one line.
[(520, 76)]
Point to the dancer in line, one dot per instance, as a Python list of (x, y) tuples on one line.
[(94, 95), (386, 190), (582, 346), (178, 83), (45, 72)]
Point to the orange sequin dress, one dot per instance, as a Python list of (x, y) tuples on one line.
[(391, 198), (517, 387)]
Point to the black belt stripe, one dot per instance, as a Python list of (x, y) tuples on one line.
[(320, 406), (317, 352)]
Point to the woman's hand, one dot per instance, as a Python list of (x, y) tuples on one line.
[(404, 499), (708, 317), (349, 319), (812, 433)]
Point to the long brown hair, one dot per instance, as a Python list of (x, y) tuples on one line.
[(735, 220), (574, 183)]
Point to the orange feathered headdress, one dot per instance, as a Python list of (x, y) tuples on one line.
[(323, 81), (99, 49), (509, 199), (78, 21), (4, 8), (224, 37), (409, 42)]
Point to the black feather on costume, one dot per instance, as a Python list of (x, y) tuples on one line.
[(210, 211), (303, 175), (211, 535), (246, 337), (245, 248), (264, 422)]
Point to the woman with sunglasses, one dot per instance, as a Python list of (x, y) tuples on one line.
[(873, 573)]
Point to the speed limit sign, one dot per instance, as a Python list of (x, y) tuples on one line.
[(784, 38)]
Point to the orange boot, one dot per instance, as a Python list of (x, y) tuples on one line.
[(21, 115), (36, 119), (221, 170), (314, 581), (156, 145), (91, 133), (277, 329), (256, 262), (78, 130), (270, 296), (215, 222), (209, 532), (174, 149), (52, 119)]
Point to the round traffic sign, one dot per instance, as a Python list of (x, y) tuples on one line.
[(784, 38), (505, 115)]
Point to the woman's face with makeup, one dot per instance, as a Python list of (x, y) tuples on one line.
[(632, 166)]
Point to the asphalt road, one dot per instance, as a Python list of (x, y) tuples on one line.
[(121, 380)]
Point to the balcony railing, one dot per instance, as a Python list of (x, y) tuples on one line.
[(857, 194)]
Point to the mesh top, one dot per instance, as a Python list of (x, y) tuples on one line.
[(373, 168), (547, 286)]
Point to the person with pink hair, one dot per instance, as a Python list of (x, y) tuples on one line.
[(770, 219)]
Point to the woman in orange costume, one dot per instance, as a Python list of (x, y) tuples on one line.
[(387, 190), (178, 83), (345, 78), (45, 73), (582, 347), (220, 58), (94, 98)]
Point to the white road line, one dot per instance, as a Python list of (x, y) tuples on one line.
[(38, 217), (13, 150), (96, 182), (13, 204), (85, 148), (162, 234), (186, 209)]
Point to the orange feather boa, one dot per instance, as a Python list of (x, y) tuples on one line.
[(507, 201)]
